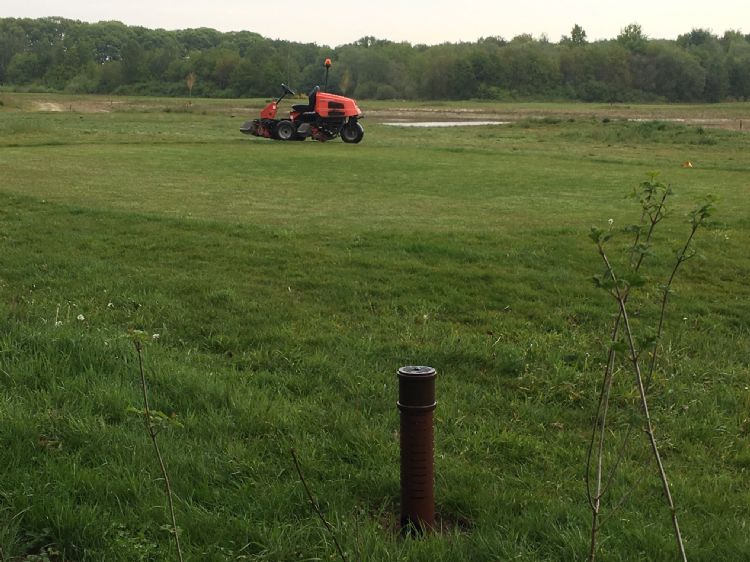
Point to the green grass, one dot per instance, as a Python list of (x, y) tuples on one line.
[(288, 282)]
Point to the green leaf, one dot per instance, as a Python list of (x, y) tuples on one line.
[(620, 347), (642, 249), (633, 280), (604, 281), (633, 229), (648, 341), (138, 336), (596, 234)]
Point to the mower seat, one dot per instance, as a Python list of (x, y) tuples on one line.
[(302, 108)]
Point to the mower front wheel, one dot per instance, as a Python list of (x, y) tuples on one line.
[(285, 130), (352, 132)]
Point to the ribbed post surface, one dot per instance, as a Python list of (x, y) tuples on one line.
[(416, 402)]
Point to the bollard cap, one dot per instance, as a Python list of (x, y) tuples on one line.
[(416, 371), (416, 389)]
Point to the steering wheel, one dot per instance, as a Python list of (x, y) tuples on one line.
[(288, 90)]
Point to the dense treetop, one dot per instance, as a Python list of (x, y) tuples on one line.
[(110, 57)]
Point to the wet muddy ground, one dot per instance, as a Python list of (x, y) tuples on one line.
[(413, 114)]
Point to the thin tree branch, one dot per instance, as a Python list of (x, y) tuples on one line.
[(600, 422), (644, 406), (600, 428), (654, 219), (665, 297), (152, 434), (601, 414), (315, 505), (655, 211)]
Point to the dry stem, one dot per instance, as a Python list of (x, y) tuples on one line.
[(315, 505), (152, 434)]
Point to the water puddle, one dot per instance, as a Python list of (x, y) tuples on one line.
[(444, 123), (678, 120)]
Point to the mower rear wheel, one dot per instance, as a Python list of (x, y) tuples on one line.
[(352, 133), (285, 130)]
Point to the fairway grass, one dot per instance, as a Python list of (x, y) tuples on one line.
[(283, 284)]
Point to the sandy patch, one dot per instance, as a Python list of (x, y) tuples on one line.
[(78, 106), (48, 106)]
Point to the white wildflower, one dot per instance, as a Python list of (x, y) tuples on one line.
[(81, 317), (155, 337)]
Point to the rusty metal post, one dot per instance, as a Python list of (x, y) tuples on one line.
[(416, 401)]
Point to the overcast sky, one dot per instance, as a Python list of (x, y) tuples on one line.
[(334, 22)]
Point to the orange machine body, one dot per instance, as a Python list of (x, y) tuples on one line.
[(269, 112), (331, 105)]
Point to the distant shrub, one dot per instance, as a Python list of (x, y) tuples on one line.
[(532, 122), (487, 92), (33, 89), (366, 90), (386, 92), (178, 109), (82, 84), (648, 127), (706, 141)]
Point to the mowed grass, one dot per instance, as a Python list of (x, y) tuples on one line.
[(288, 282)]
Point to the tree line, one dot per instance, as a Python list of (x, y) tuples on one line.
[(112, 58)]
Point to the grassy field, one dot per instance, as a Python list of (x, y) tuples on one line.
[(288, 282)]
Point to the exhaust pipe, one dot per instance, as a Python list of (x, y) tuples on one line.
[(328, 67)]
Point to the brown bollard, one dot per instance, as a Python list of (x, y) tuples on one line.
[(416, 401)]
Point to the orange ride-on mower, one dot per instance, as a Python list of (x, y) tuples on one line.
[(323, 118)]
